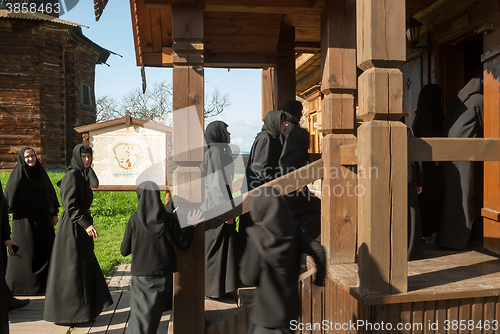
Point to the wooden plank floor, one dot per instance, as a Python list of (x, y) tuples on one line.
[(451, 276), (113, 320)]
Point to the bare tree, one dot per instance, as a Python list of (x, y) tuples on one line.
[(155, 105)]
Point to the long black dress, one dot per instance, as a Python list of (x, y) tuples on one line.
[(150, 236), (4, 235), (305, 207), (272, 260), (33, 201), (76, 289), (415, 176), (263, 161), (220, 271), (462, 179), (429, 123)]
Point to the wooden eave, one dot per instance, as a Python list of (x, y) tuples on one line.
[(237, 33), (127, 120)]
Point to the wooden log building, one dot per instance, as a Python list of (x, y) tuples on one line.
[(350, 62), (47, 74)]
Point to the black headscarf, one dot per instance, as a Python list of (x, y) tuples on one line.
[(474, 86), (272, 123), (216, 137), (30, 187), (274, 234), (293, 111), (77, 163), (150, 210)]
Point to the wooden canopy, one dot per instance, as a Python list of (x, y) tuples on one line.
[(237, 33)]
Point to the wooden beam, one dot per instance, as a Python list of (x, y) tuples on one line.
[(349, 154), (382, 205), (284, 71), (187, 98), (239, 60), (338, 202), (267, 91), (454, 149)]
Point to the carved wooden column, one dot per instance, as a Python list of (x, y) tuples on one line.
[(382, 147), (284, 72), (188, 93), (338, 60)]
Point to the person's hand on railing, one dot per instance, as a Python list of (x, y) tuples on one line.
[(195, 217)]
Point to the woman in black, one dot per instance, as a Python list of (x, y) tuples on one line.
[(263, 162), (150, 236), (304, 206), (33, 201), (429, 123), (463, 193), (272, 263), (76, 289), (220, 271)]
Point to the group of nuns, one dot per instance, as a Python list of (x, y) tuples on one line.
[(278, 229), (449, 193), (62, 266)]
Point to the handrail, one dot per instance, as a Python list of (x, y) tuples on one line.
[(285, 184)]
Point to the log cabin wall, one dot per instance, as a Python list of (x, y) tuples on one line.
[(41, 78), (80, 109)]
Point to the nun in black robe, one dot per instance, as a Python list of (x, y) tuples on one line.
[(429, 123), (263, 161), (462, 179), (220, 269), (4, 236), (76, 289), (150, 236), (272, 263), (415, 181), (305, 207), (32, 200)]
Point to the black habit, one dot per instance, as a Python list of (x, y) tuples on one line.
[(76, 289), (462, 179), (263, 162), (32, 200), (429, 123), (4, 235), (272, 261), (150, 236), (220, 269), (305, 207), (415, 176)]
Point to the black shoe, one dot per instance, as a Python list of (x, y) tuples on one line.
[(18, 303)]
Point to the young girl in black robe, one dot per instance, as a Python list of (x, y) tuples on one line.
[(76, 289), (150, 236), (32, 200), (220, 271), (272, 262)]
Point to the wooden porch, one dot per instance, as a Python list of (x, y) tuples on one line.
[(444, 292), (218, 314)]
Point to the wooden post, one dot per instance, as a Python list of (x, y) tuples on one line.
[(382, 153), (338, 72), (267, 91), (188, 95), (284, 72)]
